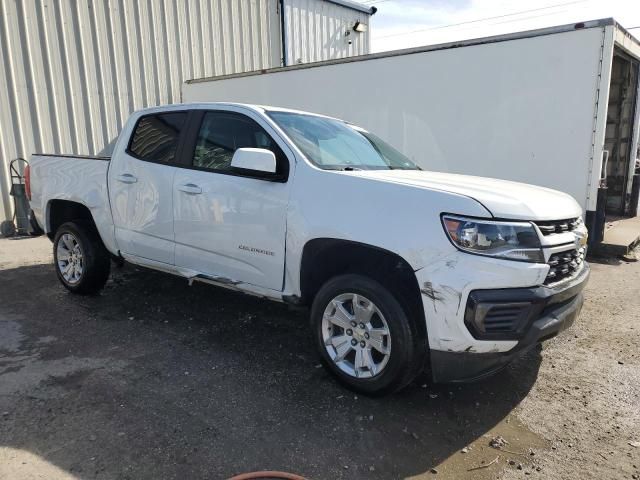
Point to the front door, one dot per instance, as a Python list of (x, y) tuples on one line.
[(140, 186), (230, 224)]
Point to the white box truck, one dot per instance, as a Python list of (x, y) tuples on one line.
[(554, 107)]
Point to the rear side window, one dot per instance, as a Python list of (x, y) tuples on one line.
[(222, 133), (155, 138)]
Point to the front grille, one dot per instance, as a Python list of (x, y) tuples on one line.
[(558, 226), (564, 265), (506, 317)]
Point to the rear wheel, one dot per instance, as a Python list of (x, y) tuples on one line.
[(364, 335), (81, 261)]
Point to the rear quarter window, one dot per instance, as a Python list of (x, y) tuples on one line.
[(155, 137)]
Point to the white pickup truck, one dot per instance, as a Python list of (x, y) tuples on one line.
[(403, 269)]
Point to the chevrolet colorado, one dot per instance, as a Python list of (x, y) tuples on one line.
[(402, 269)]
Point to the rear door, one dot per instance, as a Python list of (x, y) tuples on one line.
[(227, 223), (141, 183)]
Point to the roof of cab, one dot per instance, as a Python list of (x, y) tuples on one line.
[(212, 105)]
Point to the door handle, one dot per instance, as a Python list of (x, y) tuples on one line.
[(190, 188), (126, 178)]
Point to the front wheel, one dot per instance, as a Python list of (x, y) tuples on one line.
[(81, 261), (364, 335)]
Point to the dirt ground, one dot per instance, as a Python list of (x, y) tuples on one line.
[(153, 379)]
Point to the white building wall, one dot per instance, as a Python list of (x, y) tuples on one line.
[(71, 71)]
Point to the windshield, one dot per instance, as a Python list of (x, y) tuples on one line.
[(336, 145)]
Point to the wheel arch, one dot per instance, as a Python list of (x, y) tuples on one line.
[(324, 258), (60, 211)]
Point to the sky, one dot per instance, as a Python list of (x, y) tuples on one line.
[(411, 23)]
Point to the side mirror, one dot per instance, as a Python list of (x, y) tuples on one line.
[(254, 159)]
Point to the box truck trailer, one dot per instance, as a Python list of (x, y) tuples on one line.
[(555, 107)]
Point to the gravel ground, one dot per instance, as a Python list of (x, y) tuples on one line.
[(153, 379)]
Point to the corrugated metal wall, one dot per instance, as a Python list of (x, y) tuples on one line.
[(71, 71), (316, 30)]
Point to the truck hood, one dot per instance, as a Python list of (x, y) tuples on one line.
[(503, 198)]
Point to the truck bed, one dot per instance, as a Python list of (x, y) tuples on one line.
[(64, 155), (75, 178)]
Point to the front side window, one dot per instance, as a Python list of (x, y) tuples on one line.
[(222, 133), (155, 138), (336, 145)]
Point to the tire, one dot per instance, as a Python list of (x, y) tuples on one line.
[(7, 228), (384, 373), (90, 258)]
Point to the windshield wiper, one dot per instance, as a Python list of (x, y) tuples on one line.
[(347, 168)]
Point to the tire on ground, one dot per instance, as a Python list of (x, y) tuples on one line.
[(96, 259), (405, 359)]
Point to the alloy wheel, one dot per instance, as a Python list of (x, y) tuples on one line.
[(356, 335), (70, 258)]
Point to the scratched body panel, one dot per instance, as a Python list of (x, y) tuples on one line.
[(445, 285)]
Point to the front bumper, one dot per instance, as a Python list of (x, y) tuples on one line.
[(558, 307)]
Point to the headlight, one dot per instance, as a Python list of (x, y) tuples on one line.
[(508, 240)]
